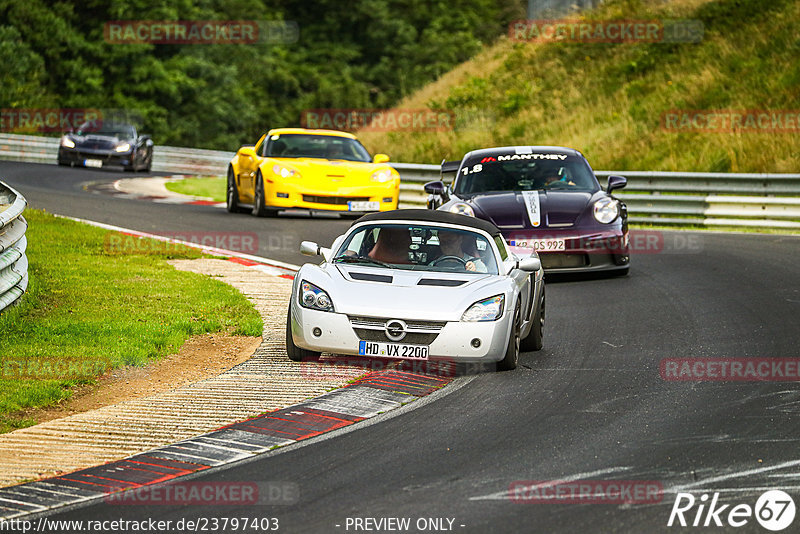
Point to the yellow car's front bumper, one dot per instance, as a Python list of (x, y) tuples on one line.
[(279, 194)]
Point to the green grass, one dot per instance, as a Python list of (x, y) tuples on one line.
[(607, 100), (91, 307), (210, 187)]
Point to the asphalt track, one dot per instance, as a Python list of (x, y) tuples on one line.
[(592, 405)]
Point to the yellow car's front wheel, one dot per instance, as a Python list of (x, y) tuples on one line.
[(260, 208), (232, 195)]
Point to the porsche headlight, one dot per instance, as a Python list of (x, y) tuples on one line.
[(285, 172), (67, 142), (123, 147), (314, 298), (606, 210), (382, 176), (462, 209), (485, 310)]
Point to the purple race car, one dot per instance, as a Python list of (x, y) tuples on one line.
[(542, 197)]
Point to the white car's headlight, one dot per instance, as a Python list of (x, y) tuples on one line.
[(314, 298), (485, 310), (67, 142), (606, 210), (123, 147), (382, 176), (462, 209), (285, 172)]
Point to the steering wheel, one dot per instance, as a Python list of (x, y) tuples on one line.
[(445, 258), (558, 185), (462, 261)]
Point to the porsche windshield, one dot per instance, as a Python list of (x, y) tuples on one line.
[(316, 146), (419, 248), (524, 172)]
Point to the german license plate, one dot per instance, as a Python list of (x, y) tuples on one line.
[(363, 205), (392, 350), (97, 163), (543, 245)]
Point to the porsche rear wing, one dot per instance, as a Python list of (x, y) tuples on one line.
[(449, 170)]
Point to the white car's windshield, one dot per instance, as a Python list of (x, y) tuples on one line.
[(419, 247)]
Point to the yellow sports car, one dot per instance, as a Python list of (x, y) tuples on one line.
[(310, 169)]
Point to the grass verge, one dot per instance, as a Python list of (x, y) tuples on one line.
[(91, 307), (210, 187)]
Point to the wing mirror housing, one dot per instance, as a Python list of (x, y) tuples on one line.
[(249, 151), (309, 248), (436, 187), (616, 182), (380, 158), (529, 264)]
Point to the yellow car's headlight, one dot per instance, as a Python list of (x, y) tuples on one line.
[(285, 172), (382, 176)]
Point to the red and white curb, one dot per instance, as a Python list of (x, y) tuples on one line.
[(169, 197), (267, 265), (374, 393)]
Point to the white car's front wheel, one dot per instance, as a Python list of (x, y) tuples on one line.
[(295, 353), (511, 358)]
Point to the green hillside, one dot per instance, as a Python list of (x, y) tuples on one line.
[(607, 100)]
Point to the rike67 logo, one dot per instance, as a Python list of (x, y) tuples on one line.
[(774, 510)]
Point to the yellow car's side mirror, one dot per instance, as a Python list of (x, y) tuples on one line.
[(249, 151), (380, 158)]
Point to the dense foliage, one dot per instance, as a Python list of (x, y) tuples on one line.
[(367, 53)]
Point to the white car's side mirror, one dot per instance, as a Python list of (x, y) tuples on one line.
[(309, 248), (529, 264)]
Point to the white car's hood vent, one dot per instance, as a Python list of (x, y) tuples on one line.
[(371, 277), (443, 282)]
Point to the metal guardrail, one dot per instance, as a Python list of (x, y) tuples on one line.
[(702, 198), (13, 262)]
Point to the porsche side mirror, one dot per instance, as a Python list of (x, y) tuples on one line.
[(529, 264), (309, 248), (436, 187), (616, 182), (380, 158)]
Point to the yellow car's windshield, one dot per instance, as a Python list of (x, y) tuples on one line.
[(316, 146)]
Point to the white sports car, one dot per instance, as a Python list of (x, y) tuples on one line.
[(418, 285)]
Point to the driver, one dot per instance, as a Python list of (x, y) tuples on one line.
[(454, 244)]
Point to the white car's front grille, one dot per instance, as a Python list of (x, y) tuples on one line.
[(378, 323)]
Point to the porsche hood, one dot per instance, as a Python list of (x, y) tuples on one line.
[(534, 209)]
